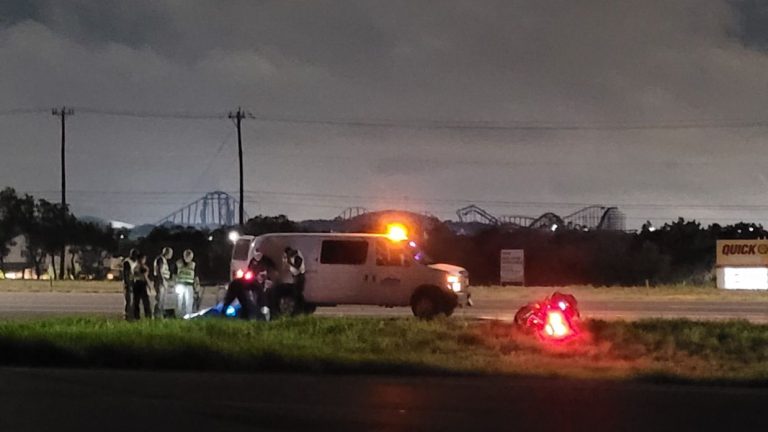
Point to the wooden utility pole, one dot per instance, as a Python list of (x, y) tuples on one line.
[(238, 117), (62, 113)]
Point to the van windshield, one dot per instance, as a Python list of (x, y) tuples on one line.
[(419, 255)]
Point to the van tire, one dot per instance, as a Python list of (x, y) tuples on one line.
[(283, 302), (428, 302), (309, 308), (285, 305)]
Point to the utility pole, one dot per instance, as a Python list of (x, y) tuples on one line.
[(62, 113), (238, 117)]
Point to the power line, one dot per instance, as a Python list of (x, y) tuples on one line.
[(170, 115), (348, 198), (24, 111), (213, 159), (435, 124), (514, 125)]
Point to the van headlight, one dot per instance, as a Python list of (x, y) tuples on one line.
[(454, 283)]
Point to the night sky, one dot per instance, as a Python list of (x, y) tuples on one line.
[(586, 99)]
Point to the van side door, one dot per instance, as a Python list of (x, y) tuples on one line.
[(391, 276), (341, 270)]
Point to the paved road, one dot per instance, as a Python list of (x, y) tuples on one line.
[(51, 304), (79, 400)]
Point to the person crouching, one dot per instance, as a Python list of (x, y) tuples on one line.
[(249, 290)]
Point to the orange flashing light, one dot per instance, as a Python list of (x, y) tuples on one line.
[(397, 232)]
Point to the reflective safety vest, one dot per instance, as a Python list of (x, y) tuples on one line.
[(164, 271), (296, 264), (185, 273)]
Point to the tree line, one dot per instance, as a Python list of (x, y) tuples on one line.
[(48, 230), (682, 251)]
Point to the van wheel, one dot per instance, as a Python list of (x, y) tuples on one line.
[(285, 305), (309, 308), (426, 304)]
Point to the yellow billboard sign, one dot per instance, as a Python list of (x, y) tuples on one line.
[(742, 253)]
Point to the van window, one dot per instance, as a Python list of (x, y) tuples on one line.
[(353, 252), (391, 254), (240, 252)]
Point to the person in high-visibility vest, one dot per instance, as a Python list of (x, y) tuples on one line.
[(186, 281), (162, 280)]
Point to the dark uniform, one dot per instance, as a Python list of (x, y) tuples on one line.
[(128, 266), (250, 293), (141, 289)]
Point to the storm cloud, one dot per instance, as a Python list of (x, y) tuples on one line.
[(590, 62)]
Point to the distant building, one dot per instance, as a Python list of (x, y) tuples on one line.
[(17, 264)]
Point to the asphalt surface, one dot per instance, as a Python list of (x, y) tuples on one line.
[(13, 305), (81, 400)]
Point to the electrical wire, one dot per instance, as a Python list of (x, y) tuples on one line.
[(435, 124), (24, 111), (281, 196), (171, 115)]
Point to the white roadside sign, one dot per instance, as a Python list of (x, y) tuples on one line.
[(512, 266)]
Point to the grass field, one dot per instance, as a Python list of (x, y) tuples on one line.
[(657, 349), (582, 292)]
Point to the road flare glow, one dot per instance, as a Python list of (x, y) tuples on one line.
[(557, 326)]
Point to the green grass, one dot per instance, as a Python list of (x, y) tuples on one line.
[(684, 350), (586, 292), (302, 344)]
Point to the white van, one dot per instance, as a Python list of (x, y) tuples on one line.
[(361, 269)]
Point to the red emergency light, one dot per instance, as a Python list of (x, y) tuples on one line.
[(556, 326), (555, 318), (245, 275)]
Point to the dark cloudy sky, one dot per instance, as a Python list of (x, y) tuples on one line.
[(537, 62)]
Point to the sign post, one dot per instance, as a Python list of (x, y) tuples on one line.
[(512, 267), (742, 264)]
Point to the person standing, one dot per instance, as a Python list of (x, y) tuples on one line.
[(141, 288), (186, 279), (128, 266), (295, 261), (162, 280)]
